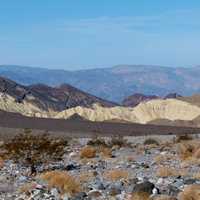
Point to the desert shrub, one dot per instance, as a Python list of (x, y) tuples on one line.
[(27, 187), (27, 130), (151, 141), (191, 192), (190, 149), (1, 162), (184, 137), (197, 153), (62, 181), (86, 177), (116, 174), (97, 142), (164, 197), (162, 158), (34, 149), (164, 172), (88, 152), (139, 196), (105, 151), (185, 150), (190, 161), (167, 172), (196, 175), (118, 141)]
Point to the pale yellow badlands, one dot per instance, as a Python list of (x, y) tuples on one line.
[(8, 103), (171, 109)]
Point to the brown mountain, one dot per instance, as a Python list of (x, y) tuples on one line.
[(137, 98), (49, 98), (194, 99)]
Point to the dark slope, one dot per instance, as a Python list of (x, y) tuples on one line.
[(74, 128), (50, 98), (137, 98)]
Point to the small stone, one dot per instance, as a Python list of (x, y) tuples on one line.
[(71, 167), (55, 193), (22, 178)]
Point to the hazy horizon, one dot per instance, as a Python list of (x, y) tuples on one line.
[(79, 68), (75, 35)]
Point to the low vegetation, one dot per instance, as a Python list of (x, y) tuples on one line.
[(139, 196), (151, 141), (28, 187), (116, 174), (62, 181), (167, 171), (88, 152), (164, 197), (27, 148), (118, 141), (196, 175), (162, 158), (182, 138), (191, 192), (97, 141), (105, 152), (189, 149), (102, 158)]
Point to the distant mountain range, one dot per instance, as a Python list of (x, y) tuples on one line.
[(115, 83)]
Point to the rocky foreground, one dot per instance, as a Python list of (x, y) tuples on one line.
[(160, 168)]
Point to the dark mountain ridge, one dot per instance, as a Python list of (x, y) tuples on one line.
[(137, 98), (50, 98)]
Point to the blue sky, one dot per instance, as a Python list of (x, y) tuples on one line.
[(78, 34)]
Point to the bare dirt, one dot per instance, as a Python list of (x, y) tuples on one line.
[(78, 128)]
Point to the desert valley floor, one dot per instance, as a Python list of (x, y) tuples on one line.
[(82, 160)]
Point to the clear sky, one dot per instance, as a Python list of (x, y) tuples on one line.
[(74, 34)]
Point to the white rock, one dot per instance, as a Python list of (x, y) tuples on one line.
[(160, 181)]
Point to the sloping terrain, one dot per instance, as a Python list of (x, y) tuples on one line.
[(194, 99), (169, 109), (115, 83), (137, 98), (177, 123), (43, 99), (84, 128), (98, 113), (68, 102)]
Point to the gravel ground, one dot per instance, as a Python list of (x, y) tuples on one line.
[(134, 167)]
